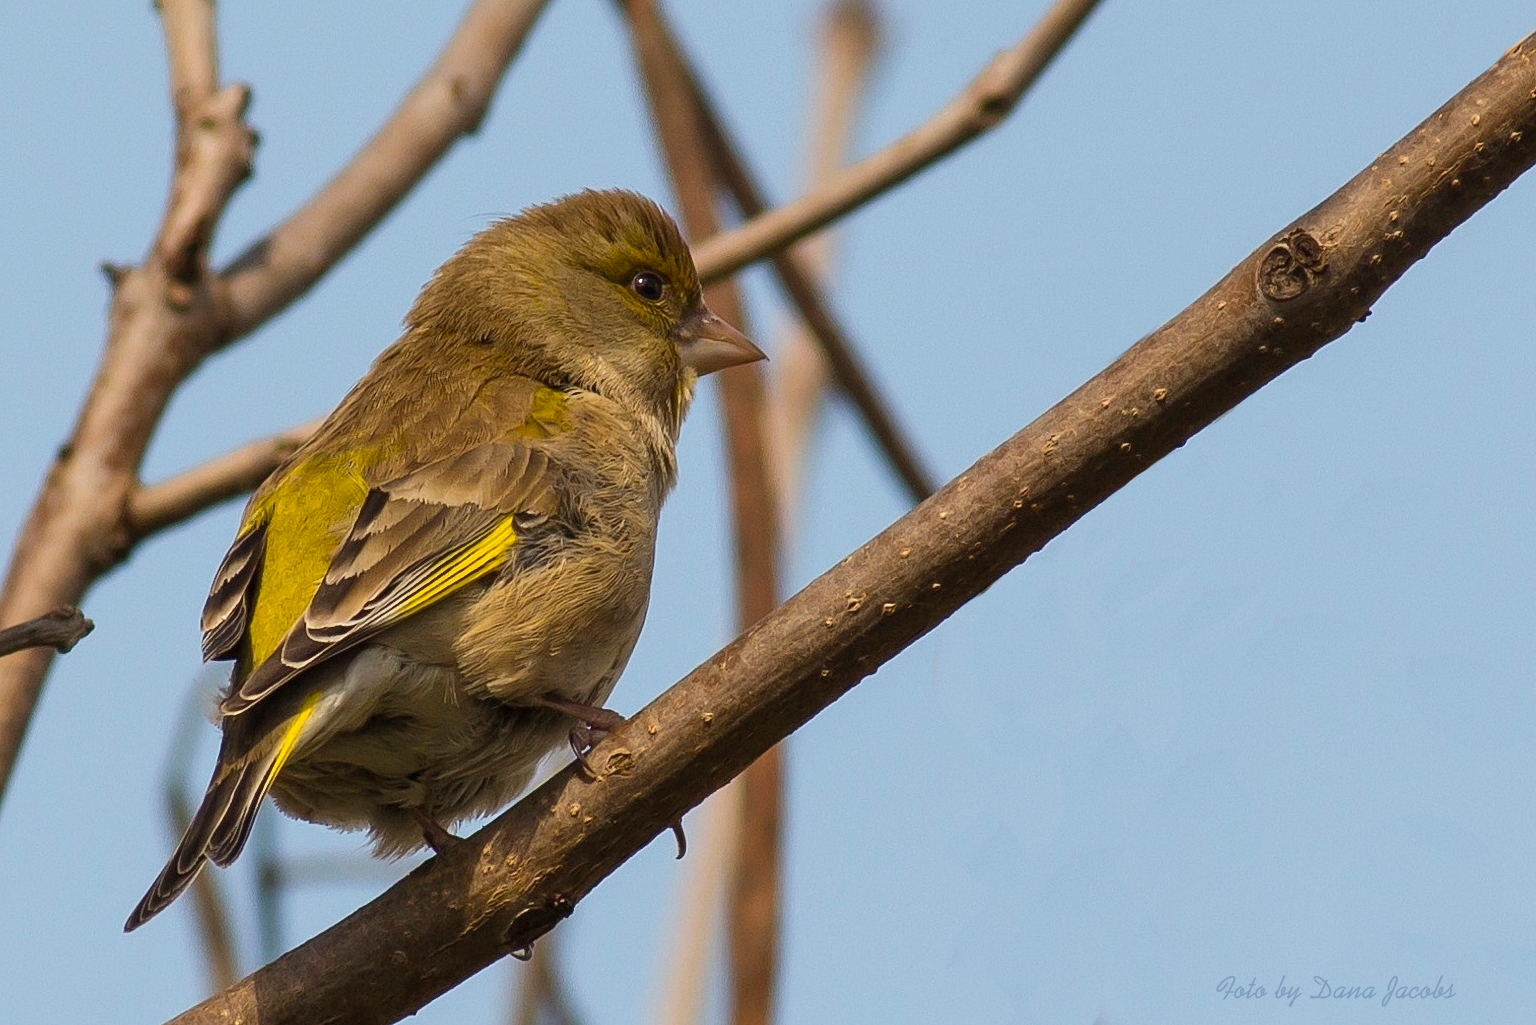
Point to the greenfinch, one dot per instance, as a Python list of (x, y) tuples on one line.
[(455, 567)]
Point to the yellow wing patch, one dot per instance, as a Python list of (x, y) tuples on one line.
[(307, 516), (473, 561), (310, 512)]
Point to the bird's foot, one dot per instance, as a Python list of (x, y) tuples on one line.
[(432, 831), (604, 719), (584, 739), (594, 724)]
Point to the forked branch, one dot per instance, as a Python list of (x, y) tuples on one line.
[(981, 106), (846, 364), (171, 312), (159, 316)]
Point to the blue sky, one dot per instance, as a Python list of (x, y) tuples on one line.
[(1266, 712)]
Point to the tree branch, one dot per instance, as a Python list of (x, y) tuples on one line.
[(159, 311), (687, 958), (525, 871), (847, 368), (60, 630), (797, 376), (541, 991), (210, 910), (192, 53), (850, 43), (155, 507), (448, 102), (212, 916), (981, 106), (210, 164)]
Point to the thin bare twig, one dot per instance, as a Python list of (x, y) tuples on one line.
[(270, 883), (556, 996), (223, 158), (192, 53), (542, 989), (981, 106), (208, 903), (759, 793), (448, 103), (170, 313), (756, 882), (60, 630), (275, 270), (849, 43), (291, 871), (528, 997), (1302, 288), (842, 357), (753, 913), (154, 507), (796, 378)]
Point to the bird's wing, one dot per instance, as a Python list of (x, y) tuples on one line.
[(415, 540), (227, 613)]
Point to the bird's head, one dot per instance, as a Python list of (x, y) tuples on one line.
[(597, 290)]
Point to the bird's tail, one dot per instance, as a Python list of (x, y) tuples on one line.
[(223, 822)]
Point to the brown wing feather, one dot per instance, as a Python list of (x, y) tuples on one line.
[(228, 608), (405, 531)]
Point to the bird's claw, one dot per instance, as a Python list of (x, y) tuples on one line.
[(432, 831), (593, 724), (584, 739), (682, 839)]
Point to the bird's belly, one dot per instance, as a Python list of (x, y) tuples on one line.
[(391, 737), (567, 629)]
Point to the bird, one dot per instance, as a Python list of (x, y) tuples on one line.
[(447, 578)]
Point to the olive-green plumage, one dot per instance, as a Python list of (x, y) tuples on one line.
[(469, 535)]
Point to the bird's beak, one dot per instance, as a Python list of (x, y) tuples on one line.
[(708, 343)]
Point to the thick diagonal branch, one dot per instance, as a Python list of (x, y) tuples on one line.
[(525, 871)]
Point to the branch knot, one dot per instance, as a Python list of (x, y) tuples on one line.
[(1291, 266)]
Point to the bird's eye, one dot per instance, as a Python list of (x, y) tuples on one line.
[(648, 285)]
